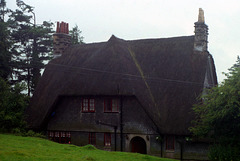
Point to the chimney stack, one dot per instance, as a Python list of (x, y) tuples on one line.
[(61, 39), (201, 33)]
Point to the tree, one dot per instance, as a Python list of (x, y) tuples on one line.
[(32, 45), (12, 107), (218, 117), (42, 47), (5, 56), (236, 65), (76, 35)]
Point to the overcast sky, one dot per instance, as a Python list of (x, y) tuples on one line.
[(141, 19)]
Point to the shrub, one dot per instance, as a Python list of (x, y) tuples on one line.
[(224, 153), (33, 134), (12, 105)]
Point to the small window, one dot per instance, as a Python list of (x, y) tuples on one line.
[(115, 104), (107, 139), (60, 136), (92, 138), (88, 105), (111, 105), (170, 142)]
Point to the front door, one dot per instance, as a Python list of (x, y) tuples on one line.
[(138, 145)]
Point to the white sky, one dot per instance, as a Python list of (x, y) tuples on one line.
[(140, 19)]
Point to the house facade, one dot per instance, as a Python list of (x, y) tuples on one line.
[(121, 95)]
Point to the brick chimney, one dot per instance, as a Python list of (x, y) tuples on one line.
[(201, 33), (61, 39)]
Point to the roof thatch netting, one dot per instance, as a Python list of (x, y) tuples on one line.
[(166, 75)]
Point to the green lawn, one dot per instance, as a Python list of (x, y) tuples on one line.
[(30, 148)]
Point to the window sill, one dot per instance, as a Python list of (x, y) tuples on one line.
[(170, 151)]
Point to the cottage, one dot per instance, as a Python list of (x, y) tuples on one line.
[(125, 95)]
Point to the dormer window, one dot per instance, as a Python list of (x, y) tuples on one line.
[(111, 105), (88, 105)]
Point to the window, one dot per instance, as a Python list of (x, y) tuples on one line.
[(111, 105), (92, 138), (88, 105), (169, 142), (60, 136), (107, 139)]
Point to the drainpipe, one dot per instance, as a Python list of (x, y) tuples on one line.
[(115, 135), (115, 130), (121, 122), (161, 149), (181, 151), (181, 143)]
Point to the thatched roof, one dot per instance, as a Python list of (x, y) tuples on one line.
[(166, 75)]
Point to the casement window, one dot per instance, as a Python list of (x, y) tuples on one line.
[(92, 138), (111, 105), (107, 139), (88, 105), (60, 136), (170, 142)]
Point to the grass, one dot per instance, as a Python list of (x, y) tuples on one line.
[(30, 148)]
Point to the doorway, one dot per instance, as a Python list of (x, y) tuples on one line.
[(138, 145)]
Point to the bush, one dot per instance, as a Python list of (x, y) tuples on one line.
[(224, 153), (33, 134), (12, 107)]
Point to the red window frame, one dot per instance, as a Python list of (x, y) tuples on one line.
[(107, 139), (111, 105), (170, 142), (88, 105), (63, 137), (92, 138)]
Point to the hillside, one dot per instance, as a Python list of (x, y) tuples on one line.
[(30, 148)]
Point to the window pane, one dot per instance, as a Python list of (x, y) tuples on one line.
[(91, 105), (92, 138), (51, 134), (85, 105), (107, 105), (107, 139), (56, 134), (60, 136), (115, 104), (68, 134), (169, 142)]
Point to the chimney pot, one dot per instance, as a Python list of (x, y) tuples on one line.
[(201, 16), (67, 29), (57, 30), (61, 39)]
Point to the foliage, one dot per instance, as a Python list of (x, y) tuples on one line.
[(32, 44), (236, 65), (223, 153), (29, 148), (75, 34), (12, 106), (25, 47), (3, 10), (5, 58), (33, 134), (218, 115)]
